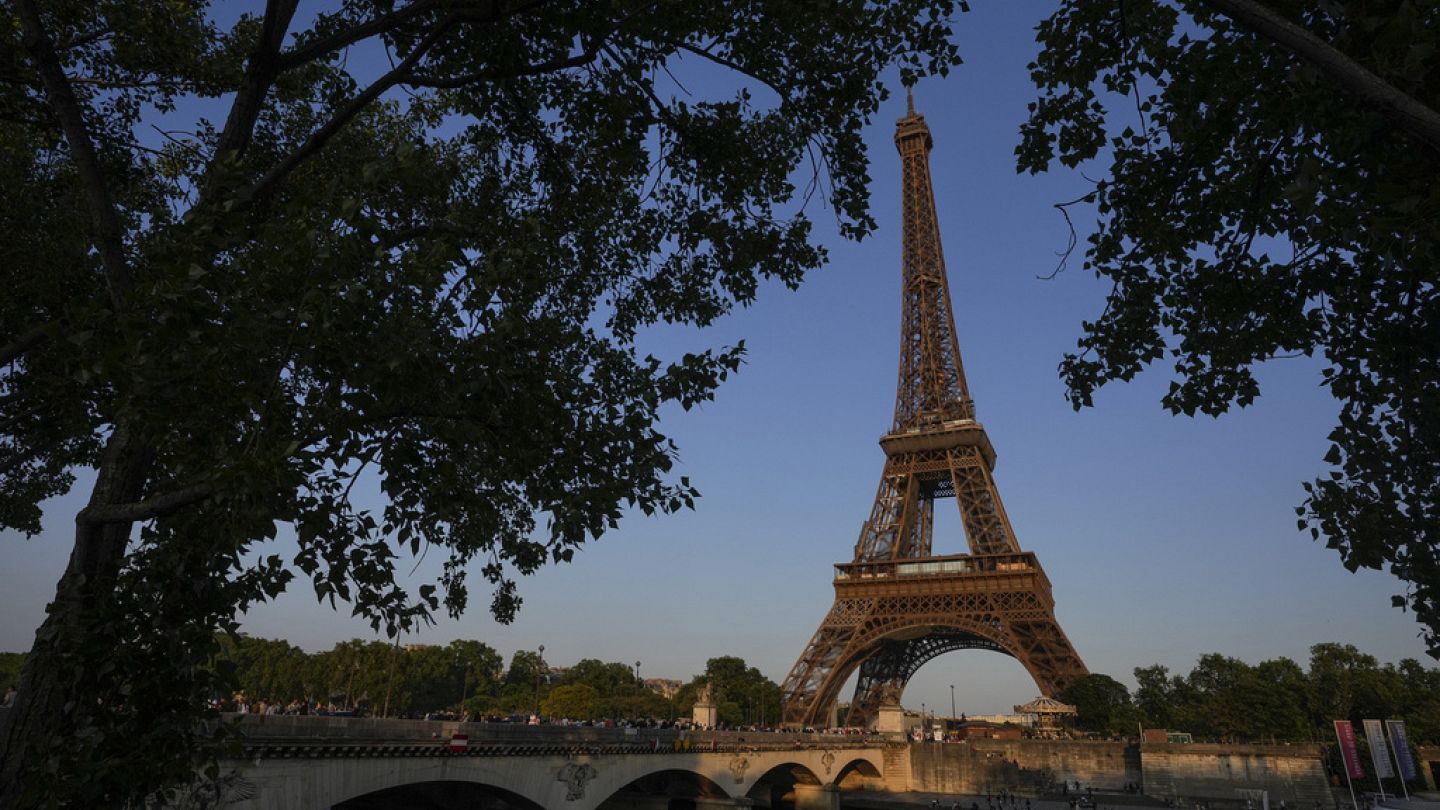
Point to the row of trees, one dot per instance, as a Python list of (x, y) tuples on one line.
[(381, 678), (1228, 699)]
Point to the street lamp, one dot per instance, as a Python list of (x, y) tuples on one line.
[(538, 668), (350, 687), (464, 665), (952, 701), (637, 673)]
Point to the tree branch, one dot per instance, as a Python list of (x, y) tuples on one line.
[(329, 129), (451, 82), (311, 51), (1400, 109), (158, 506), (260, 71), (729, 64), (404, 73), (104, 219), (7, 424), (399, 236), (22, 343)]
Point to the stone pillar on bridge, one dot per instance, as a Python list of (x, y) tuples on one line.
[(817, 797), (890, 719), (706, 713)]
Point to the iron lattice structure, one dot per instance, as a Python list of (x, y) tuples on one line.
[(896, 605)]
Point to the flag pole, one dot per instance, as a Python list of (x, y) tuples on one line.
[(1375, 736), (1399, 769), (1345, 763)]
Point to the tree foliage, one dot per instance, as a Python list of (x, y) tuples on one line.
[(1224, 698), (1102, 704), (742, 694), (572, 700), (375, 678), (249, 265), (1257, 203), (371, 677), (10, 664)]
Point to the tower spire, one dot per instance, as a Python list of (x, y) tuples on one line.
[(931, 388)]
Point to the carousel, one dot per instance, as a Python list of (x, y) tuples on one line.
[(1053, 719)]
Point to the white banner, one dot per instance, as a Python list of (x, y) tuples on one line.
[(1379, 751)]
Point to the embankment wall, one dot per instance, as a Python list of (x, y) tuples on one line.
[(1026, 766), (1233, 774), (1225, 775)]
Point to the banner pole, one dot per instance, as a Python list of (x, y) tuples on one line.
[(1399, 769), (1345, 763), (1379, 753)]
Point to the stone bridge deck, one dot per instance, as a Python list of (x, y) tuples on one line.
[(316, 763)]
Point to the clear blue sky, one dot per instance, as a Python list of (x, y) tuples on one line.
[(1165, 537)]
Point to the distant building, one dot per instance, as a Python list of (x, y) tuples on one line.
[(1003, 719), (664, 687), (417, 647), (982, 730), (1160, 735)]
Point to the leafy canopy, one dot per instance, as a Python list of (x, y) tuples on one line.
[(251, 264), (1250, 209), (1224, 698)]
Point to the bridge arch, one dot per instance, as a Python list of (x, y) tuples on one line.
[(664, 789), (438, 795), (859, 774), (776, 787)]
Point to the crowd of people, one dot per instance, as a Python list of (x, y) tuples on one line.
[(240, 704)]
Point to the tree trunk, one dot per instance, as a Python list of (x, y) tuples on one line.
[(1405, 112), (47, 683)]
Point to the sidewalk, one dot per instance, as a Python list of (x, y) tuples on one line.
[(1413, 803), (882, 800)]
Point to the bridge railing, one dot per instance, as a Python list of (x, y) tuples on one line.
[(294, 735)]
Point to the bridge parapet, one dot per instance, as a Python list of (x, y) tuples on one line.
[(578, 775), (294, 730)]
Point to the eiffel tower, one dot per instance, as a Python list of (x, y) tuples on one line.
[(897, 605)]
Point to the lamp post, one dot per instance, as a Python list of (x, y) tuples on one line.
[(464, 666), (350, 687), (952, 702), (637, 674), (924, 732), (390, 680), (538, 667)]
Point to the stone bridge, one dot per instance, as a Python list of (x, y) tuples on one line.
[(319, 763)]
